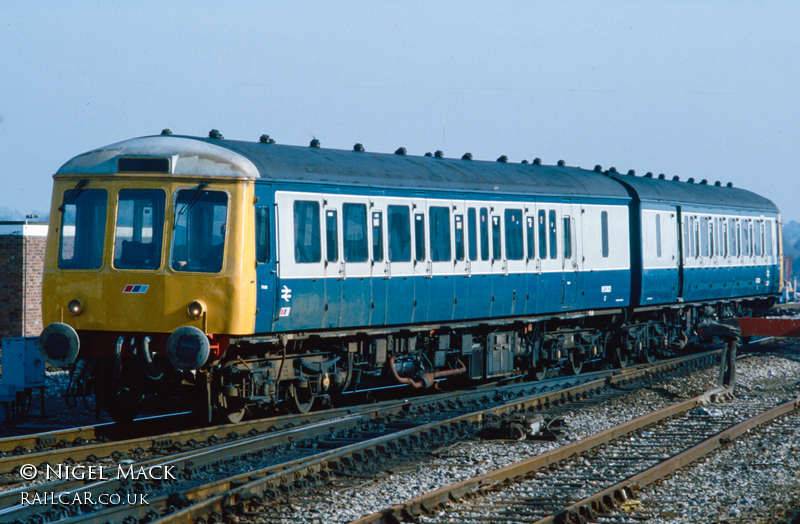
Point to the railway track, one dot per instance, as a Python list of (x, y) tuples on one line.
[(304, 452), (595, 479), (290, 460)]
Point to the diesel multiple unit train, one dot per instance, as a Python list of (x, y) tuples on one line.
[(245, 275)]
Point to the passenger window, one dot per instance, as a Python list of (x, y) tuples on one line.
[(307, 247), (769, 238), (399, 234), (377, 236), (139, 229), (419, 237), (658, 235), (496, 248), (531, 254), (472, 233), (459, 236), (732, 236), (695, 236), (542, 234), (198, 236), (262, 235), (484, 234), (703, 236), (746, 238), (553, 235), (757, 236), (567, 237), (354, 219), (723, 237), (331, 235), (514, 250), (83, 229), (712, 233), (440, 234), (604, 233)]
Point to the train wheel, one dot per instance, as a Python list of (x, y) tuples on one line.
[(229, 409), (621, 358), (575, 364), (302, 399)]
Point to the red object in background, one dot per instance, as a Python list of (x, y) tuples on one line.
[(770, 327)]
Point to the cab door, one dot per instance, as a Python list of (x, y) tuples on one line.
[(265, 259)]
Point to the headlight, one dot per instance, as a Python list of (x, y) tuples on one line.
[(75, 307), (196, 309)]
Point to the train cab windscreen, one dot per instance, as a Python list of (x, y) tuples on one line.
[(139, 230), (83, 226), (198, 236)]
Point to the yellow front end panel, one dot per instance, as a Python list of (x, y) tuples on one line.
[(154, 301)]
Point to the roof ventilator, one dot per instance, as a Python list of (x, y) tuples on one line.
[(214, 133), (562, 163), (401, 151), (503, 159), (166, 132), (537, 161), (438, 154), (314, 143), (467, 156), (265, 139), (359, 147)]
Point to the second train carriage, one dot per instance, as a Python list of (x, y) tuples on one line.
[(253, 273)]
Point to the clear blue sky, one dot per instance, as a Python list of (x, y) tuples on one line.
[(695, 89)]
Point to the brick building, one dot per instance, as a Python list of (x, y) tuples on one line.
[(21, 265)]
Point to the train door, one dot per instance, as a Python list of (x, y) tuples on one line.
[(682, 239), (265, 258), (379, 274), (441, 289), (551, 281), (569, 254), (399, 264), (479, 267), (460, 260), (334, 264), (355, 254), (533, 263), (422, 263), (499, 265), (514, 257)]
